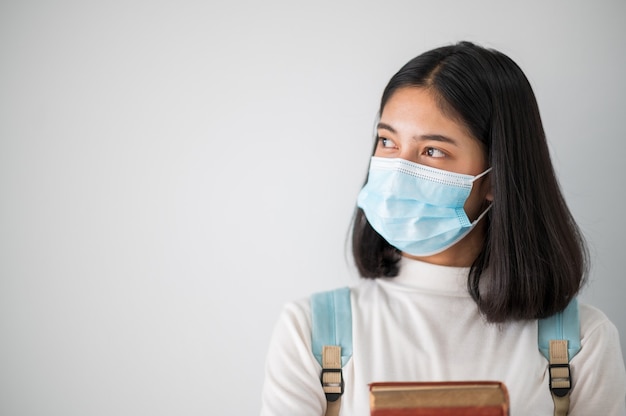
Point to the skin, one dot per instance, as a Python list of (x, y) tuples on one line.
[(413, 127)]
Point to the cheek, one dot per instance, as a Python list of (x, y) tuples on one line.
[(478, 200), (472, 206)]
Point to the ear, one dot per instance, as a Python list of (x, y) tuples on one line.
[(487, 185)]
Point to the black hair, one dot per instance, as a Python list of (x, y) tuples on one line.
[(534, 259)]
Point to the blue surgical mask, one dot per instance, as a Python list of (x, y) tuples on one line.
[(416, 208)]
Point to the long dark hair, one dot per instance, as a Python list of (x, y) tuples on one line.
[(534, 259)]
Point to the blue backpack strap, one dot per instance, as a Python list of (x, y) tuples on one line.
[(559, 342), (331, 322), (563, 325), (331, 342)]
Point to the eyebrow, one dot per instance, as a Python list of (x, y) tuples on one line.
[(435, 137)]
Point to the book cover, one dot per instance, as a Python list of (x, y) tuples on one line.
[(462, 398)]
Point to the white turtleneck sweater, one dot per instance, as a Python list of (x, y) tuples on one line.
[(423, 326)]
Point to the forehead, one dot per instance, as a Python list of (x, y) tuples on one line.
[(425, 110)]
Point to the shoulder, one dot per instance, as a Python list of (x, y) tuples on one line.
[(296, 315), (297, 307), (600, 343), (600, 354), (298, 312), (295, 318), (594, 323)]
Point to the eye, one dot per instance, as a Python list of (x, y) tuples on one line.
[(386, 143), (434, 152)]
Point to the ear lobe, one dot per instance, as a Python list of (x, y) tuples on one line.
[(489, 196)]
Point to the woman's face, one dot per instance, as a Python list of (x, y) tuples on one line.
[(413, 127)]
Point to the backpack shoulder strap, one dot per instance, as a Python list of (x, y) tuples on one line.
[(331, 340), (559, 341), (564, 325), (331, 344)]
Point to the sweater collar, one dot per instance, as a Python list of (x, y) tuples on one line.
[(432, 277)]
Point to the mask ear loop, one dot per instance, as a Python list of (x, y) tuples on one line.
[(480, 217), (480, 175)]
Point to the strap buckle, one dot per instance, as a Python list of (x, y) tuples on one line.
[(560, 379), (333, 388)]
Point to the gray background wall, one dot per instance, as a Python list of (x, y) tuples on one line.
[(172, 172)]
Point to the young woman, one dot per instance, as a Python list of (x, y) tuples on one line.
[(465, 241)]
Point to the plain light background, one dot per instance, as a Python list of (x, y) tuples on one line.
[(173, 172)]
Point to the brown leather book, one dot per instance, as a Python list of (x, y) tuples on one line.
[(462, 398)]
